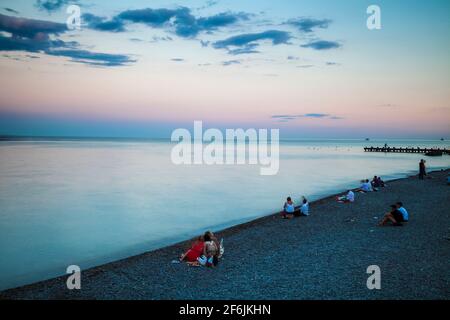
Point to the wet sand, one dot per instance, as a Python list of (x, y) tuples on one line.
[(323, 256)]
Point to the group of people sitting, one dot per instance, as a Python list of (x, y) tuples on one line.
[(397, 215), (366, 186), (289, 210), (373, 185), (205, 251)]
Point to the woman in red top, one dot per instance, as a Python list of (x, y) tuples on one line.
[(194, 252)]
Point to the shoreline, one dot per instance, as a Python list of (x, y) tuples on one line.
[(54, 288)]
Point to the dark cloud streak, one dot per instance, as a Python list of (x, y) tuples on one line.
[(308, 24), (322, 45), (30, 35), (289, 117)]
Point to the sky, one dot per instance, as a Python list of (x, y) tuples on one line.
[(310, 68)]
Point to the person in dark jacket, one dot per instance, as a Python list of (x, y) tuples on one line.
[(422, 170)]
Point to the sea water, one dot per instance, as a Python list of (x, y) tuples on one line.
[(87, 202)]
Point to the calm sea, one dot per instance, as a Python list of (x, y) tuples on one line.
[(88, 202)]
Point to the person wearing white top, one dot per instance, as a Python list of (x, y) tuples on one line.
[(366, 186), (402, 211), (305, 208), (350, 197), (288, 209)]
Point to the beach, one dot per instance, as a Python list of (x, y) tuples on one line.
[(323, 256)]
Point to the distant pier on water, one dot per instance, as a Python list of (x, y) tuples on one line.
[(426, 151)]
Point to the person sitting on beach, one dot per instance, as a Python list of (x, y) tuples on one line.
[(304, 209), (394, 216), (349, 197), (288, 209), (191, 256), (366, 186), (210, 250), (218, 244), (377, 183), (403, 211), (374, 182)]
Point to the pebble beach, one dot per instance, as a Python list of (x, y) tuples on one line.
[(322, 256)]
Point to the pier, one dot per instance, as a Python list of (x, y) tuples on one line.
[(407, 150)]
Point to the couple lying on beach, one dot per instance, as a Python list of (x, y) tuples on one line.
[(290, 212), (205, 251)]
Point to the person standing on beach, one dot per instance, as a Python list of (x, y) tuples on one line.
[(422, 169)]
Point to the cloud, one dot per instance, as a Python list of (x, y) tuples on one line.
[(230, 62), (249, 48), (31, 35), (308, 24), (152, 17), (305, 66), (289, 117), (221, 20), (102, 24), (246, 43), (208, 4), (158, 39), (30, 28), (53, 5), (181, 20), (93, 58), (322, 45), (11, 10), (30, 45), (315, 115), (277, 37)]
